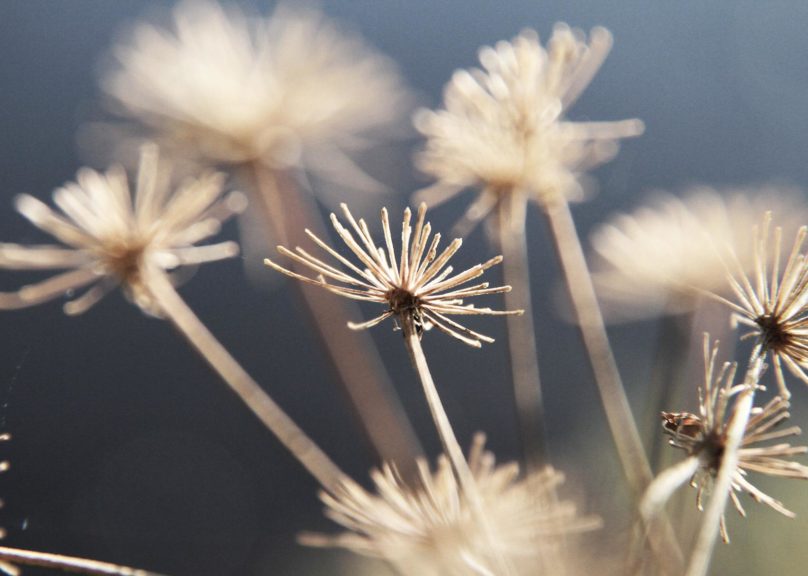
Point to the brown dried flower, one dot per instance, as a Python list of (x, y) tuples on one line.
[(772, 304), (418, 283), (704, 436)]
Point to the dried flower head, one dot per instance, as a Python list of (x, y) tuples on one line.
[(431, 530), (666, 254), (772, 304), (418, 285), (503, 128), (704, 436), (286, 90), (111, 236)]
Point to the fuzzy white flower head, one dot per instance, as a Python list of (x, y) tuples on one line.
[(431, 530), (110, 237), (286, 90), (504, 129), (662, 256)]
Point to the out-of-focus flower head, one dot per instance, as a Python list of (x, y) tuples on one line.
[(664, 255), (504, 128), (430, 530), (109, 237), (288, 90), (704, 437)]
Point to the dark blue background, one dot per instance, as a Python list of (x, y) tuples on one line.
[(127, 448)]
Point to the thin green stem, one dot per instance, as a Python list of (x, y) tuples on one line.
[(67, 563), (256, 399), (521, 330), (352, 354), (710, 525)]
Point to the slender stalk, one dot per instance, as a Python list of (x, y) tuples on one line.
[(68, 563), (710, 525), (353, 355), (272, 416), (670, 356), (607, 377), (521, 330), (447, 436), (450, 445)]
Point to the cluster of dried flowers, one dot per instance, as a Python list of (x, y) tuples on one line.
[(292, 91)]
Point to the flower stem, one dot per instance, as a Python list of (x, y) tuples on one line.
[(521, 331), (272, 416), (607, 377), (452, 448), (710, 525), (67, 563), (353, 355)]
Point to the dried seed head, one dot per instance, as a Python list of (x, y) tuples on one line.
[(663, 256), (430, 530), (773, 304), (504, 130), (109, 235), (417, 286), (288, 90), (704, 436)]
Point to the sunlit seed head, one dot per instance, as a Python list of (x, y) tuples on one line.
[(415, 283), (663, 256), (772, 299), (223, 86), (428, 528), (504, 130), (109, 235)]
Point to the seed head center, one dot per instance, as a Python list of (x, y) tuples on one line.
[(775, 335), (402, 301), (712, 450), (124, 260)]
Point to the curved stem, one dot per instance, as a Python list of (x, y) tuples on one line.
[(272, 416), (452, 448), (607, 377), (521, 330), (68, 563), (352, 354), (710, 525)]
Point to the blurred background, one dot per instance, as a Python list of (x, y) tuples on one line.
[(126, 446)]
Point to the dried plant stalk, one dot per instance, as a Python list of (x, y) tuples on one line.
[(451, 447), (68, 563), (296, 441), (714, 512), (362, 375), (521, 331), (596, 341), (607, 377)]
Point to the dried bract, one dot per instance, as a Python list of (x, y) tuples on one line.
[(108, 236), (418, 284), (704, 436), (287, 90), (431, 530), (504, 129)]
